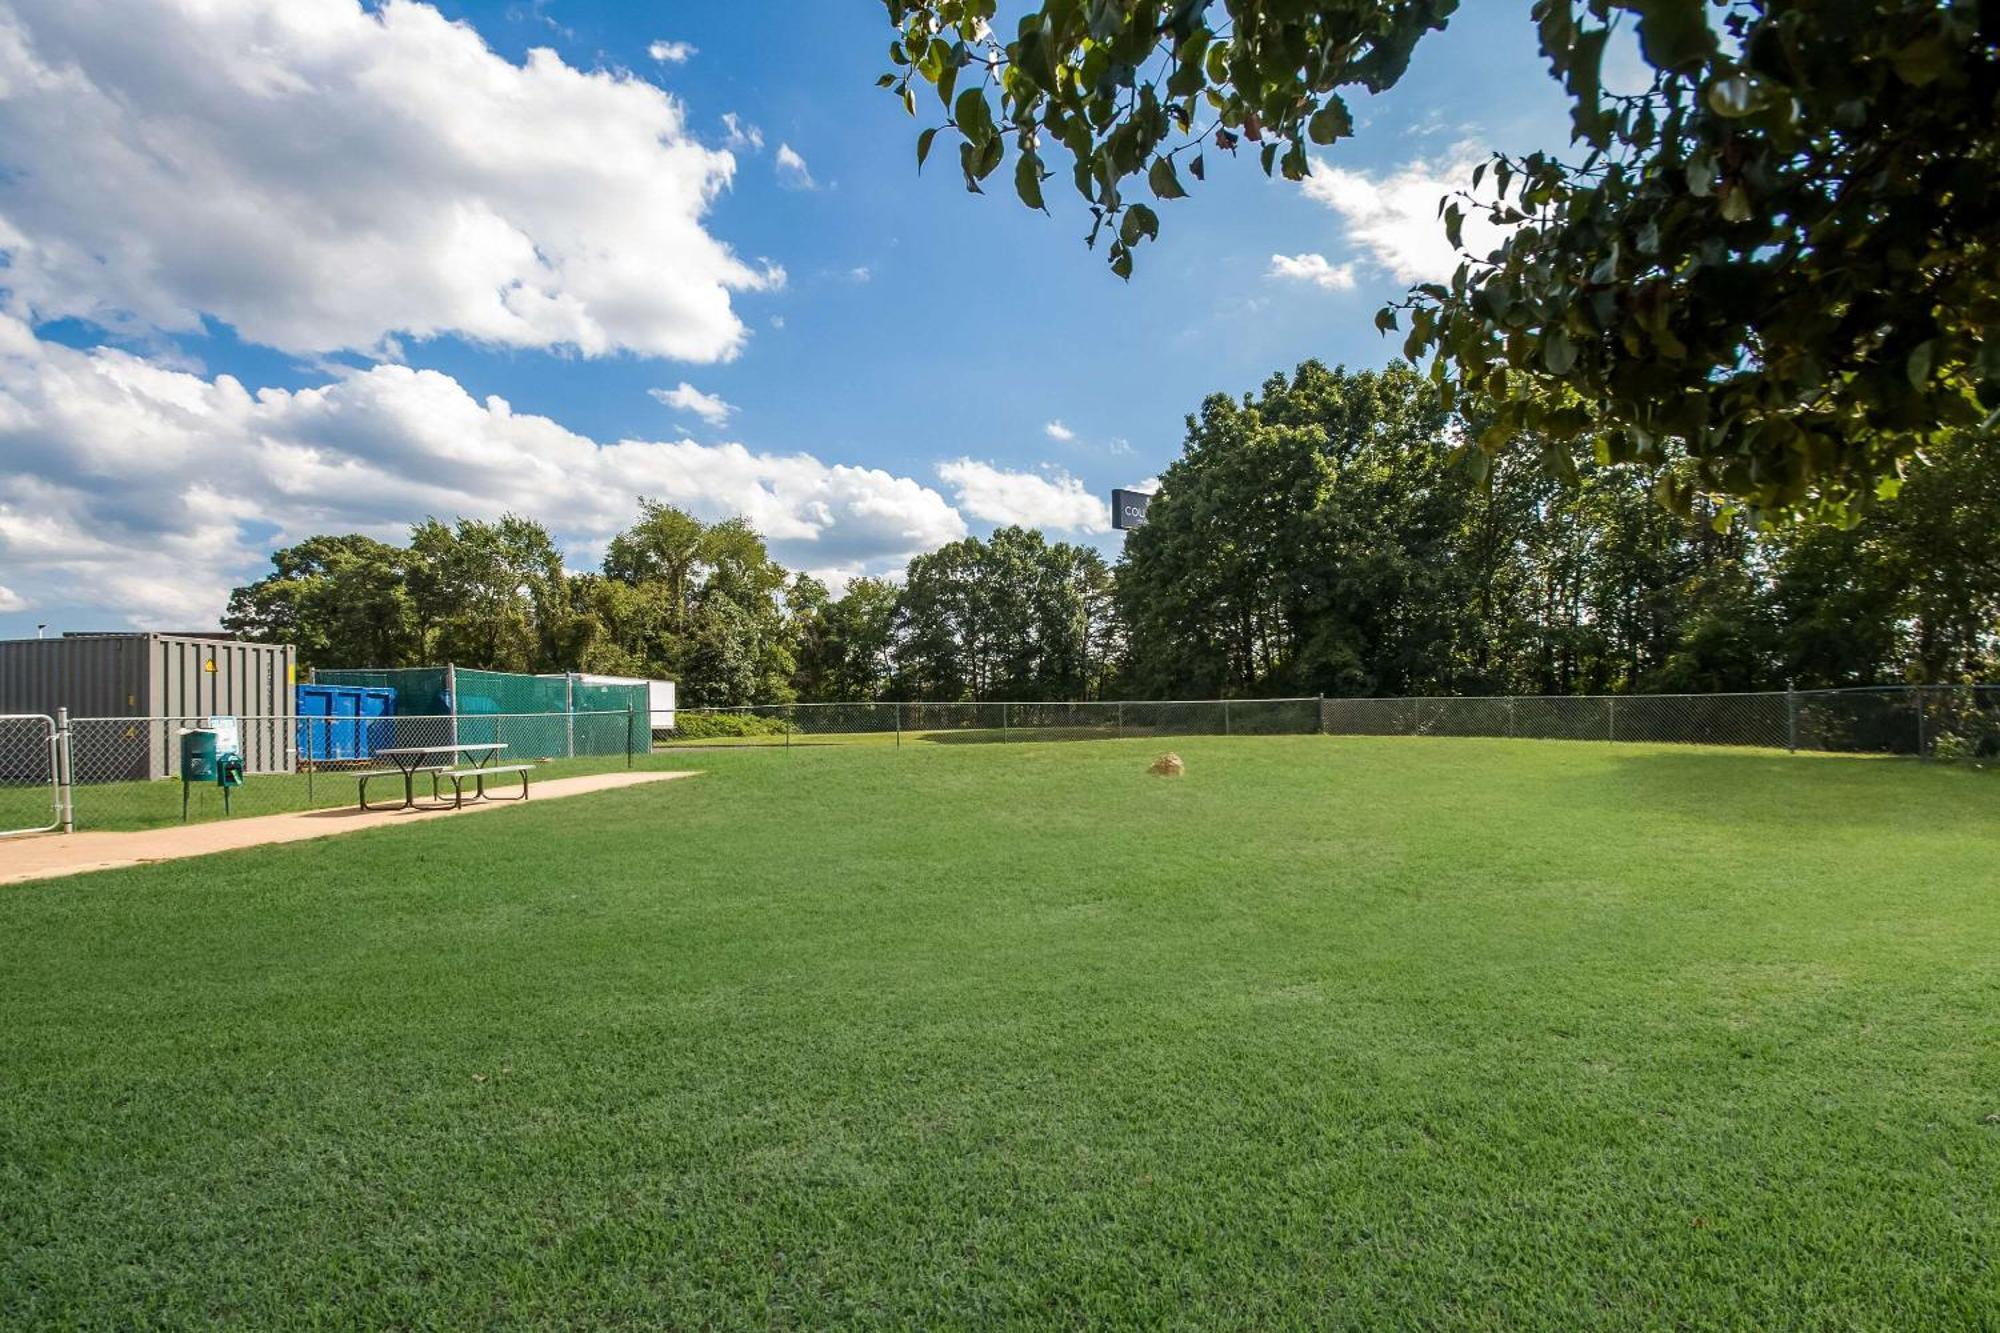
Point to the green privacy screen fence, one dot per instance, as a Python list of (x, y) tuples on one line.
[(477, 698)]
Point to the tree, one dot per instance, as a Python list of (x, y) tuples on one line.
[(342, 601), (1780, 261), (844, 645), (1297, 545), (1013, 617), (489, 595)]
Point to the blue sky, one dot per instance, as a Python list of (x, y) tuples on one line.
[(289, 324)]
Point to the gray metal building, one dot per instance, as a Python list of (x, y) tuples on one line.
[(175, 678)]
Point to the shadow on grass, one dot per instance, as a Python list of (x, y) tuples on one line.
[(1791, 795)]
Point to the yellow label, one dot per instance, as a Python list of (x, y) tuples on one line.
[(291, 675), (209, 665)]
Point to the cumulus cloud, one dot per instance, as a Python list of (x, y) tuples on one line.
[(1313, 269), (144, 493), (672, 53), (1048, 499), (11, 600), (686, 398), (325, 176), (1055, 430), (1393, 216), (792, 171)]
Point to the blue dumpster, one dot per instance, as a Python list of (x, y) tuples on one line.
[(343, 723)]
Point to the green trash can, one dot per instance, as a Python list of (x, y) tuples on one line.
[(198, 755)]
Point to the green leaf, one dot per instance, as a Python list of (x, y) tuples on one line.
[(1139, 222), (1923, 62), (1674, 34), (1028, 179), (1558, 352), (924, 142), (1918, 366), (974, 116), (1385, 320), (1161, 177), (1331, 122)]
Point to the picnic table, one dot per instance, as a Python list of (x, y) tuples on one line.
[(438, 761)]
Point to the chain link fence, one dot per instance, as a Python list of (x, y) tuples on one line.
[(124, 772), (30, 793), (1934, 721), (966, 723)]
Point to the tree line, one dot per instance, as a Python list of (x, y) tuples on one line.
[(1330, 533)]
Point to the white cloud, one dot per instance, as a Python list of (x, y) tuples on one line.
[(1055, 430), (1051, 499), (1393, 216), (143, 494), (859, 274), (11, 600), (792, 171), (686, 398), (737, 134), (672, 53), (1313, 269), (323, 176)]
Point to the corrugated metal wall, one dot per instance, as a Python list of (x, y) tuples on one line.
[(157, 675), (197, 678), (91, 676)]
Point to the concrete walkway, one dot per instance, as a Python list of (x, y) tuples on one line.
[(44, 856)]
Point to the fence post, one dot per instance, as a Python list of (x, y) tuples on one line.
[(1005, 734), (451, 695), (1121, 720), (65, 774), (1319, 715), (569, 719), (1510, 717), (629, 716), (899, 724), (1923, 741), (1225, 717), (1791, 719), (1611, 717)]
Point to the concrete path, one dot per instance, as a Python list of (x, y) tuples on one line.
[(46, 855)]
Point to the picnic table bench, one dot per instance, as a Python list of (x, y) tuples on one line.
[(437, 761)]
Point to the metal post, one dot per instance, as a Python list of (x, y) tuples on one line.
[(629, 718), (1923, 741), (1611, 719), (569, 718), (899, 724), (1510, 717), (1791, 719), (65, 773), (1225, 717), (1319, 714), (788, 729), (451, 694), (1003, 721), (1121, 719)]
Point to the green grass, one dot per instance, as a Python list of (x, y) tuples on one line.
[(1363, 1033)]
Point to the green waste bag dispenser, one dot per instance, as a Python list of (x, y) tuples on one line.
[(213, 753)]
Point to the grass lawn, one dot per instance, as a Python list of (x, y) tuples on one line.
[(1332, 1032)]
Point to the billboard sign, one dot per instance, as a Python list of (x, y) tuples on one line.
[(1128, 509)]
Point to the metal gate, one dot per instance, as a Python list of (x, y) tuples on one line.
[(30, 774)]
